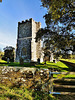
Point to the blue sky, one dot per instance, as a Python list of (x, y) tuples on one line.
[(13, 11)]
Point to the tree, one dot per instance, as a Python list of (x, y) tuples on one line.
[(1, 54), (59, 10), (50, 42), (60, 23), (60, 16), (9, 53)]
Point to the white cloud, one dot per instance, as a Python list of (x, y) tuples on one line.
[(7, 39), (5, 44)]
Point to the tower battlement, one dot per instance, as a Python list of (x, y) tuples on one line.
[(28, 20), (25, 21)]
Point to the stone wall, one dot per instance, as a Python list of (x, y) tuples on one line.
[(30, 78)]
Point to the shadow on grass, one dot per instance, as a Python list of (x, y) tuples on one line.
[(3, 63), (41, 65), (70, 68), (57, 68), (16, 64), (24, 65), (65, 82)]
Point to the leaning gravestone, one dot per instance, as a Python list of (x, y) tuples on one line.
[(21, 61), (8, 60), (38, 60)]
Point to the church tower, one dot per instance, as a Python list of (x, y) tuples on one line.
[(27, 48)]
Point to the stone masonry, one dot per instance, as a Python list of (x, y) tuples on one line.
[(27, 48), (30, 78)]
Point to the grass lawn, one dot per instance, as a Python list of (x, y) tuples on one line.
[(60, 76), (69, 60), (2, 61), (7, 93), (70, 76), (59, 65)]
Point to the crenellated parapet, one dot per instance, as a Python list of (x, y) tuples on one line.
[(25, 21), (28, 20)]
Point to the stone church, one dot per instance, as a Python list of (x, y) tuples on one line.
[(26, 47)]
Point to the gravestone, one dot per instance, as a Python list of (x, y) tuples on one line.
[(8, 60), (21, 61)]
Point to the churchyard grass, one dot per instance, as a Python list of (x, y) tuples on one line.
[(59, 65), (2, 61), (60, 76), (70, 76), (69, 60)]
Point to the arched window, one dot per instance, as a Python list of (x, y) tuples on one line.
[(24, 51)]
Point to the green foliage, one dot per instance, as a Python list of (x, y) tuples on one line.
[(8, 53), (58, 9), (1, 54), (60, 26)]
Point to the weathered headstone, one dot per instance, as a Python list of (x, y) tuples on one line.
[(38, 60), (21, 61), (8, 60)]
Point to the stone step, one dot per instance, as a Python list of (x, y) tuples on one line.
[(72, 73), (63, 89), (65, 79), (65, 82), (64, 86)]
